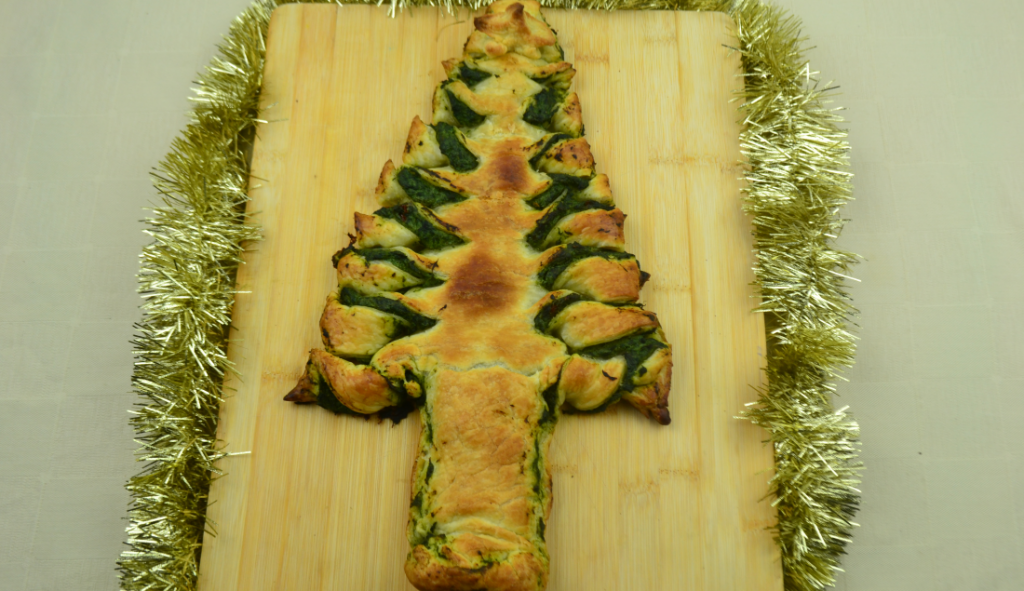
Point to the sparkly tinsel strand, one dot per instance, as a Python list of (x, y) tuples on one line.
[(797, 181), (187, 284)]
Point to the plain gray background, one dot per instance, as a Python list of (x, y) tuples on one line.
[(91, 94)]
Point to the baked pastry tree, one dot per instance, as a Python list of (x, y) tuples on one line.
[(490, 290)]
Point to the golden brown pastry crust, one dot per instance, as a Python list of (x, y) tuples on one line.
[(490, 290), (355, 331), (604, 280)]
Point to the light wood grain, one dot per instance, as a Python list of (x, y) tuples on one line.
[(321, 502)]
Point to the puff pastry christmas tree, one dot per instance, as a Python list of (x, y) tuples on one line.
[(490, 290)]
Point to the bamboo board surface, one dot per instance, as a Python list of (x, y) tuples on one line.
[(321, 501)]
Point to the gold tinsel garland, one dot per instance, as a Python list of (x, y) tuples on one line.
[(797, 182)]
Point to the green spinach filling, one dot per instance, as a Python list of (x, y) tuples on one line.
[(402, 262), (560, 185), (325, 397), (432, 232), (542, 107), (458, 155), (472, 76), (424, 527), (399, 411), (549, 416), (551, 141), (553, 308), (421, 191), (545, 427), (415, 321), (395, 258), (563, 207), (463, 114), (573, 252), (428, 422), (635, 348)]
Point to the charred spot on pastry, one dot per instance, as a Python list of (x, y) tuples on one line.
[(481, 286), (546, 145), (505, 171)]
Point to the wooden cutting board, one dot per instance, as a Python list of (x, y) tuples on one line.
[(321, 501)]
